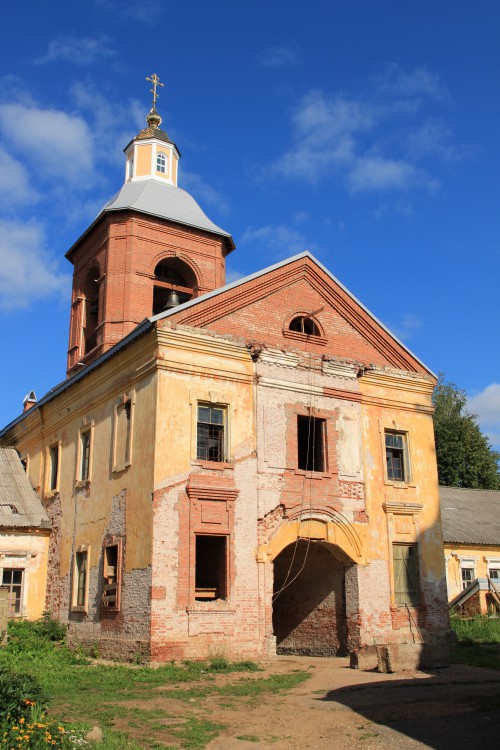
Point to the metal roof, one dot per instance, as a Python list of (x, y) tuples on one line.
[(19, 505), (470, 516), (165, 201)]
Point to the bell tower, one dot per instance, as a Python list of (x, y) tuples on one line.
[(150, 248)]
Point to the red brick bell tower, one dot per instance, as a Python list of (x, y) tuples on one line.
[(150, 248)]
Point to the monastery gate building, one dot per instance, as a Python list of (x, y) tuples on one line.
[(246, 467)]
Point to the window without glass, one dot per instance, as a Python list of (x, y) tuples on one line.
[(123, 435), (12, 580), (406, 575), (395, 456), (91, 294), (111, 576), (80, 583), (311, 443), (210, 439), (161, 163), (211, 567), (53, 466), (302, 324), (84, 455)]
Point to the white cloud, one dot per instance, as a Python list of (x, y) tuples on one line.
[(486, 404), (27, 271), (15, 188), (279, 56), (233, 275), (278, 240), (77, 50), (201, 190), (60, 144), (413, 84), (375, 173), (147, 11), (407, 326)]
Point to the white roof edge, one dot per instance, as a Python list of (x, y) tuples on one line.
[(281, 264)]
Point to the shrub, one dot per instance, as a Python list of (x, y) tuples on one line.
[(477, 629), (18, 693)]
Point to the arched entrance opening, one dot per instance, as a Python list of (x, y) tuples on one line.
[(309, 599)]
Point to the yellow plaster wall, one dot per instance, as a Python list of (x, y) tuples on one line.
[(412, 512), (92, 401), (29, 551), (143, 160), (197, 367), (481, 554)]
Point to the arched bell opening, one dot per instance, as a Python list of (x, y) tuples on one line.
[(174, 283), (309, 599), (91, 296)]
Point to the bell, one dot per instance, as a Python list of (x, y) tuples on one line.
[(172, 300)]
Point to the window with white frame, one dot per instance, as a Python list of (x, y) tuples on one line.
[(161, 163), (467, 573), (12, 580), (494, 572)]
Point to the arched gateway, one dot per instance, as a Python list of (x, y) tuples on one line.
[(315, 603)]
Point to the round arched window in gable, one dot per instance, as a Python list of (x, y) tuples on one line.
[(174, 283), (303, 324)]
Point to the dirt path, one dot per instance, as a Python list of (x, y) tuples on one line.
[(451, 709)]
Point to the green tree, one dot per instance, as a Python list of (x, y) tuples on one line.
[(465, 457)]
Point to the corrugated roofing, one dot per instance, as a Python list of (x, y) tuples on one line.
[(470, 516), (165, 201), (19, 505)]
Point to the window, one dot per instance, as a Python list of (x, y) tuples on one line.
[(84, 456), (53, 467), (467, 574), (303, 324), (131, 169), (172, 275), (406, 576), (211, 567), (12, 580), (122, 456), (80, 579), (112, 575), (494, 574), (395, 456), (161, 163), (91, 295), (210, 439), (311, 443)]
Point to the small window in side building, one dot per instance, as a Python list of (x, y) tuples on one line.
[(85, 455), (406, 574), (12, 580), (211, 567), (302, 324), (311, 443), (53, 466), (494, 574), (80, 581), (467, 574), (210, 438), (111, 576), (395, 456)]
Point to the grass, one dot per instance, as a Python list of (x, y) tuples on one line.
[(476, 655), (477, 629), (119, 698)]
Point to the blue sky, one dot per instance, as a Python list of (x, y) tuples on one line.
[(365, 131)]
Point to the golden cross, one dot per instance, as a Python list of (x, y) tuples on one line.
[(154, 79)]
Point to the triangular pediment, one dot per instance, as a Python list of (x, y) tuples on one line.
[(260, 307)]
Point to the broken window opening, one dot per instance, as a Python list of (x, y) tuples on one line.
[(210, 433), (53, 466), (406, 575), (111, 576), (91, 294), (311, 443), (80, 584), (303, 324), (85, 456), (211, 567)]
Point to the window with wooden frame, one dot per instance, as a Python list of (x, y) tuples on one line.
[(112, 574), (304, 324), (396, 456), (406, 574), (12, 581), (53, 467), (311, 443), (211, 433), (80, 580), (211, 567), (467, 573), (84, 460)]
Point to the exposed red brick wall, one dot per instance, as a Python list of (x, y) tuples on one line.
[(309, 614)]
